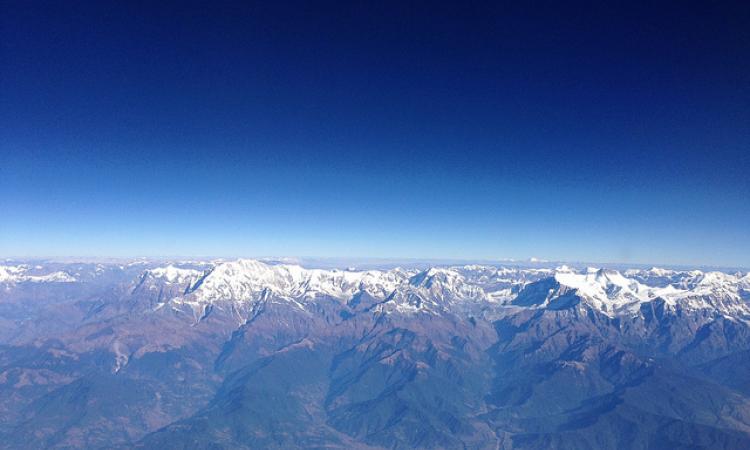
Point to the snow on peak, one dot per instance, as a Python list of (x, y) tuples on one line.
[(445, 284), (172, 274), (612, 292), (247, 279), (433, 274), (606, 289), (654, 272), (437, 288), (54, 277), (19, 274), (250, 280), (659, 272), (716, 278), (745, 281), (9, 274), (706, 281)]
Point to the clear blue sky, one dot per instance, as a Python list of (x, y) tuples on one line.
[(613, 133)]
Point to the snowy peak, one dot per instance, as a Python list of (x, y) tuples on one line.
[(606, 290), (612, 292), (710, 280), (603, 284), (24, 273), (245, 279), (9, 274), (172, 274), (244, 282), (434, 276), (654, 272), (745, 282), (443, 286)]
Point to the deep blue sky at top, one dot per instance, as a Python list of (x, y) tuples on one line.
[(602, 131)]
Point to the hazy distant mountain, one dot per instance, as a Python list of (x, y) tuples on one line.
[(248, 354)]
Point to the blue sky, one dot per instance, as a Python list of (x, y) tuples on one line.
[(583, 132)]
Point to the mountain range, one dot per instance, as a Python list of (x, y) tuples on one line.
[(257, 354)]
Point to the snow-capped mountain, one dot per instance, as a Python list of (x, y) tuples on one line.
[(25, 273), (608, 290), (245, 280), (172, 274), (444, 288)]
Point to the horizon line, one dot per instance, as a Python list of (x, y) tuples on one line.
[(300, 260)]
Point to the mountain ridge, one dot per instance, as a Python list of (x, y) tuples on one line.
[(247, 354)]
